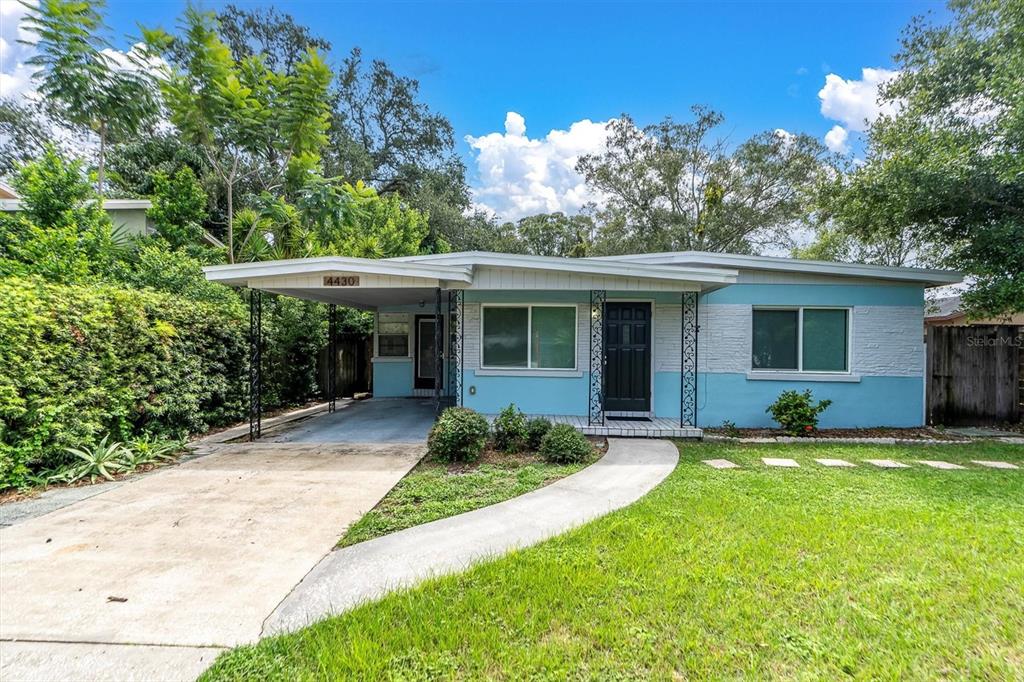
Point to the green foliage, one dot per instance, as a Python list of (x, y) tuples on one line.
[(84, 86), (179, 207), (458, 435), (536, 429), (510, 430), (147, 449), (947, 169), (245, 117), (563, 443), (84, 360), (796, 412), (672, 187), (102, 459), (62, 234)]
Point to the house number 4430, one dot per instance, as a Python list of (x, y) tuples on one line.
[(341, 280)]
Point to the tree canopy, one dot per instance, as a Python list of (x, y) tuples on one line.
[(945, 172)]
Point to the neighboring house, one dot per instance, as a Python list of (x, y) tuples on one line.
[(127, 214), (695, 338), (948, 312)]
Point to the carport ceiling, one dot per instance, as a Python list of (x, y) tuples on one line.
[(365, 299)]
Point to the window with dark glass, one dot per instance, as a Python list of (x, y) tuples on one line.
[(393, 336), (801, 339), (538, 337)]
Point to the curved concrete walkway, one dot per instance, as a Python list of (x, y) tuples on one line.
[(369, 570)]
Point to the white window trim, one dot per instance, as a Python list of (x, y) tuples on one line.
[(529, 336), (824, 374), (377, 357)]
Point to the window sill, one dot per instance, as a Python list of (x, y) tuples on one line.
[(553, 373), (803, 377), (387, 358)]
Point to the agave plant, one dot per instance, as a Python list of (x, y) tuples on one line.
[(147, 449), (103, 459)]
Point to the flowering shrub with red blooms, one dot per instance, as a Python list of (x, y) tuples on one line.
[(796, 412)]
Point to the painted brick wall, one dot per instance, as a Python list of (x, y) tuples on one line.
[(888, 340)]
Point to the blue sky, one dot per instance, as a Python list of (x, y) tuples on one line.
[(761, 64)]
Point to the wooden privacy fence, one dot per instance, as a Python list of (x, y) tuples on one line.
[(353, 365), (975, 374)]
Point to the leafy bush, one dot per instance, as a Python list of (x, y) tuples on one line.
[(796, 412), (458, 435), (563, 443), (510, 430), (102, 459), (80, 361), (148, 449), (536, 429)]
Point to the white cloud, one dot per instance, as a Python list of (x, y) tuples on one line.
[(520, 176), (15, 75), (837, 140), (854, 103)]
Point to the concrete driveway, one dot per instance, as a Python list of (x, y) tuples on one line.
[(192, 557), (395, 420)]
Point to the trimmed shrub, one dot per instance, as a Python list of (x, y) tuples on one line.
[(564, 444), (510, 430), (78, 362), (458, 435), (536, 429), (796, 412)]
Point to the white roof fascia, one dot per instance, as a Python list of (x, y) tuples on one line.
[(696, 258), (240, 273), (115, 204), (580, 265)]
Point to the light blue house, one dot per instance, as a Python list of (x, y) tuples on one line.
[(651, 344)]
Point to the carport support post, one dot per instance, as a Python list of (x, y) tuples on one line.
[(332, 357), (255, 363), (438, 345)]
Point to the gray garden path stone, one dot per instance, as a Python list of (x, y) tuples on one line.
[(939, 464), (994, 465), (780, 462), (721, 464), (834, 462), (369, 570), (887, 464)]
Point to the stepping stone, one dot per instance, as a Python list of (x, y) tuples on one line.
[(834, 463), (779, 462), (939, 464), (887, 464), (721, 464), (995, 465)]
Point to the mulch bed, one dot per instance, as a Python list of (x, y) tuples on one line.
[(513, 460), (918, 433)]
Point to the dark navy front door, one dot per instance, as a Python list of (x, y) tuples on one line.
[(627, 340)]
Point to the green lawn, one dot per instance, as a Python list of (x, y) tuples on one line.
[(755, 573), (434, 490)]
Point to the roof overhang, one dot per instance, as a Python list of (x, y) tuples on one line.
[(253, 274), (925, 276), (590, 266)]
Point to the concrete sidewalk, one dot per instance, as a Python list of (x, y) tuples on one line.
[(369, 570)]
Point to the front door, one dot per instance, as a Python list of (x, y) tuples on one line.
[(627, 339), (426, 352)]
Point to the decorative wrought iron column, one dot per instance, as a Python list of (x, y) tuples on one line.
[(598, 297), (438, 346), (688, 364), (332, 357), (456, 341), (255, 363)]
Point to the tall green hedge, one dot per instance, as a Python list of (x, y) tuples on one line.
[(80, 361)]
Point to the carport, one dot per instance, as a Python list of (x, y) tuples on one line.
[(358, 283)]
